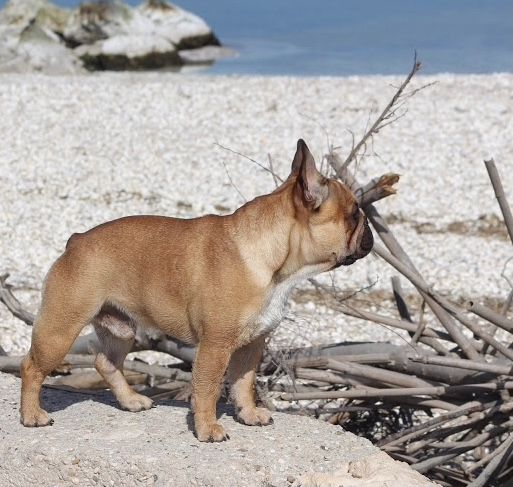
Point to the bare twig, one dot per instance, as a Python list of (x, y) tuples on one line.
[(261, 166), (244, 199), (387, 116)]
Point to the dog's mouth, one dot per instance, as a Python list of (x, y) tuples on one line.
[(365, 244), (350, 259)]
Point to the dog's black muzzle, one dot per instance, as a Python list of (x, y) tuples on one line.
[(363, 248)]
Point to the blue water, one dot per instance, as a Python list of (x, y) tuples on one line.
[(345, 37)]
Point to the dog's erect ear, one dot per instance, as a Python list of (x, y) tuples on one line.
[(298, 159), (311, 182)]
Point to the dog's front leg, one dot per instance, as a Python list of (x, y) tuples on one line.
[(207, 374), (242, 377)]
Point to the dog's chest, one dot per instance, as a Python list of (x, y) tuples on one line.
[(273, 309)]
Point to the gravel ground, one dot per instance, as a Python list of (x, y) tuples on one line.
[(77, 151), (93, 443)]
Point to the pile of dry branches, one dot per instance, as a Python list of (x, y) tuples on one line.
[(441, 402)]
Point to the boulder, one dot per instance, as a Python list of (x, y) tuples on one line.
[(111, 35), (103, 35), (93, 442)]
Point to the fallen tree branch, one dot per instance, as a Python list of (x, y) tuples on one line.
[(465, 364), (12, 364), (403, 391)]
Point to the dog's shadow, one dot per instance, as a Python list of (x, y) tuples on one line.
[(54, 400)]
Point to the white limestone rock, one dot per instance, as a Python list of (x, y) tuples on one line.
[(103, 35), (146, 37), (124, 52)]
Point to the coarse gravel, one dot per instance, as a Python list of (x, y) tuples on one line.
[(80, 150)]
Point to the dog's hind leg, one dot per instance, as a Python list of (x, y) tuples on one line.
[(116, 335), (68, 305)]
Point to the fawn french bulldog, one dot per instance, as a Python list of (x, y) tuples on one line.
[(220, 282)]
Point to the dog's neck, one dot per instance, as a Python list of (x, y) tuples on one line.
[(263, 231)]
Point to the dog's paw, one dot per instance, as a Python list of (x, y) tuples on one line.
[(136, 402), (36, 418), (211, 433), (255, 416)]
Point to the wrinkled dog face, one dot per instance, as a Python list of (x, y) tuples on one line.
[(335, 230)]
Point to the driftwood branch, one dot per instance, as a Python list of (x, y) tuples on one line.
[(12, 364), (377, 189), (364, 392), (500, 195)]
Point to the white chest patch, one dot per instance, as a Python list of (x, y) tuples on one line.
[(272, 312)]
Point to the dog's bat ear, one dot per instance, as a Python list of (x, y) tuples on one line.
[(298, 159), (311, 182)]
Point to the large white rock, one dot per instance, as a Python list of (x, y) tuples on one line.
[(124, 52), (148, 36), (38, 36), (95, 443)]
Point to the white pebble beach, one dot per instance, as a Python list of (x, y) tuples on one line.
[(80, 150)]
